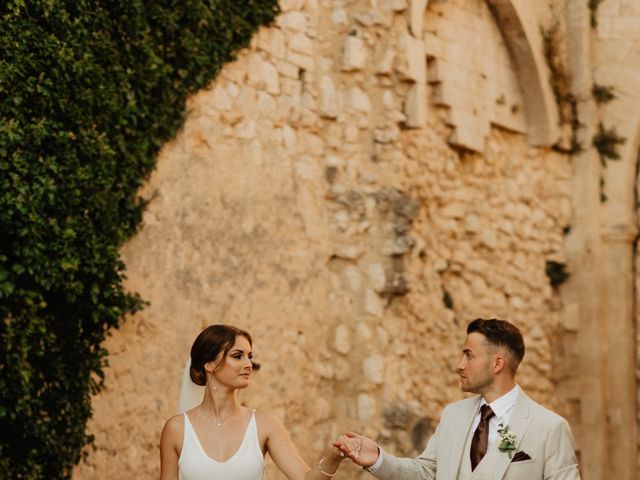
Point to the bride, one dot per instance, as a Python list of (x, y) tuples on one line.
[(220, 439)]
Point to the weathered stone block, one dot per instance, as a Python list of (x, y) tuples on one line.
[(304, 62), (339, 16), (353, 278), (394, 5), (373, 369), (415, 107), (366, 407), (301, 43), (384, 63), (373, 303), (388, 135), (359, 101), (368, 18), (411, 63), (271, 40), (294, 20), (342, 340), (377, 276), (354, 54), (329, 100), (288, 5), (288, 70)]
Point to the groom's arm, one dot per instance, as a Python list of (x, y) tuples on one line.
[(423, 467), (560, 461)]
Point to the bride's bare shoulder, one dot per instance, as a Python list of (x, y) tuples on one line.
[(267, 421), (174, 427)]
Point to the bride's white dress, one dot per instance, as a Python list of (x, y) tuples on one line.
[(194, 463)]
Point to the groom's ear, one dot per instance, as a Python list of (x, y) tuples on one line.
[(499, 362)]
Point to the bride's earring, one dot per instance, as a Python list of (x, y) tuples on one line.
[(213, 384)]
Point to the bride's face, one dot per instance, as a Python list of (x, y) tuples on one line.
[(234, 371)]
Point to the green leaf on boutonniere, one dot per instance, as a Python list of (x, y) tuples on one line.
[(507, 440)]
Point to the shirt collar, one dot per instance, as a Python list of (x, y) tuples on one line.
[(506, 402)]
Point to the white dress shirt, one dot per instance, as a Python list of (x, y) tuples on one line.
[(502, 408)]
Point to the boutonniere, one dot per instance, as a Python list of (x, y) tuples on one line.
[(507, 440)]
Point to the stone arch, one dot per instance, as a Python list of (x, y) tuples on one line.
[(524, 42)]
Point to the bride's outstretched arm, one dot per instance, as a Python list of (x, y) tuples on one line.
[(288, 460)]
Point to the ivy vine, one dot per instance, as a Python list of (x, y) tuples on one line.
[(89, 92)]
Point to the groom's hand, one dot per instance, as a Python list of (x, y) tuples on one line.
[(361, 450)]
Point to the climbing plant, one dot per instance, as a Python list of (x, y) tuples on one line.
[(89, 92)]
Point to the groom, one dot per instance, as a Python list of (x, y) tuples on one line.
[(500, 433)]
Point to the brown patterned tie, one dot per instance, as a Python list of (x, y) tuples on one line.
[(481, 436)]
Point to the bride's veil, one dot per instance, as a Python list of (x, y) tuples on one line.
[(191, 395)]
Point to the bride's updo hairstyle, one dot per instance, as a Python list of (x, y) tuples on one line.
[(208, 345)]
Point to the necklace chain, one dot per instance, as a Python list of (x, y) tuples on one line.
[(219, 421)]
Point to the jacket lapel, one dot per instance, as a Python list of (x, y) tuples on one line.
[(459, 433), (495, 464)]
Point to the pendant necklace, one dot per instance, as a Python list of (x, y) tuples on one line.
[(219, 421)]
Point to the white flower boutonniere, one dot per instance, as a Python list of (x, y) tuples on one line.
[(507, 440)]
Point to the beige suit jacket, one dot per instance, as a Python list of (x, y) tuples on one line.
[(540, 433)]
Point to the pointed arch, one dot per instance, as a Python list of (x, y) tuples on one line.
[(524, 42)]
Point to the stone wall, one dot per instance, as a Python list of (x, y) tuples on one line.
[(616, 61), (319, 197)]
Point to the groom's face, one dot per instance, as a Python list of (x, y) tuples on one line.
[(474, 367)]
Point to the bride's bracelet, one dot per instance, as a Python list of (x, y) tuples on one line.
[(323, 472)]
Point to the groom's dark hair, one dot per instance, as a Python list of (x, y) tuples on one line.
[(500, 333)]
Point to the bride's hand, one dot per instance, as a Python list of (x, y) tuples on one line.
[(361, 450), (335, 453)]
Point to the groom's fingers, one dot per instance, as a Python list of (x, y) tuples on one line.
[(350, 449)]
